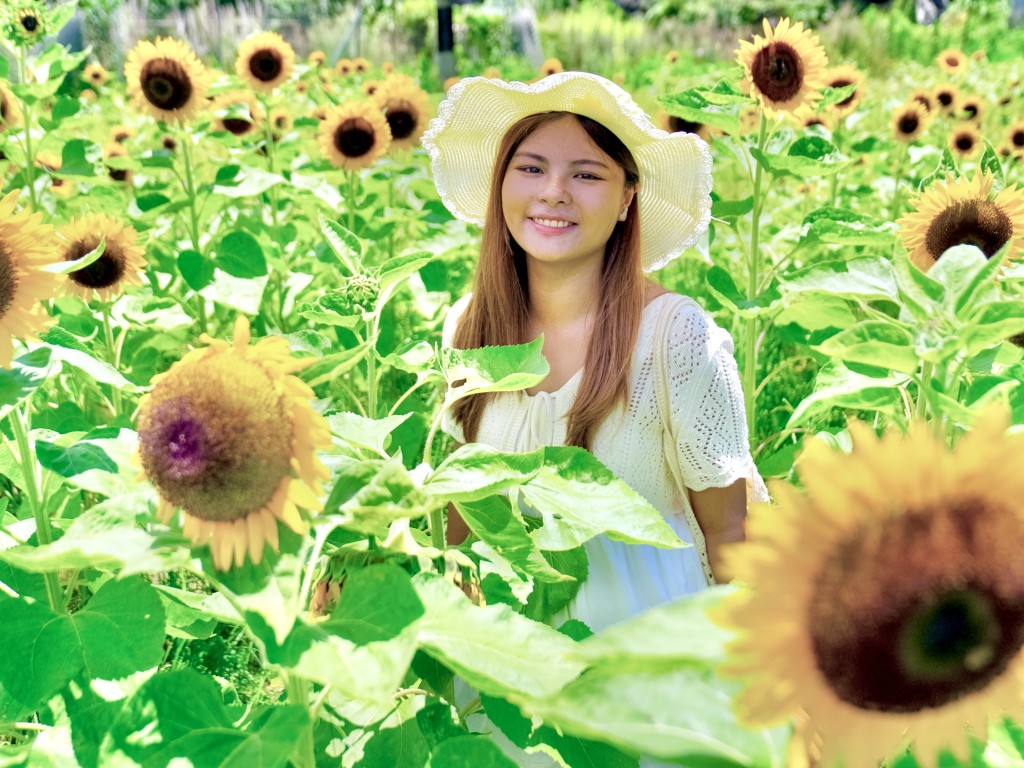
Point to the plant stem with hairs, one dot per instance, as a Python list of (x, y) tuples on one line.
[(753, 262)]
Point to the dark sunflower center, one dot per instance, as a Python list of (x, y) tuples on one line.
[(30, 23), (96, 76), (678, 124), (169, 143), (964, 142), (970, 109), (1017, 138), (3, 108), (165, 84), (953, 61), (777, 72), (888, 643), (354, 137), (981, 223), (106, 271), (8, 280), (908, 124), (265, 65), (117, 174), (281, 121), (923, 102), (842, 83), (236, 125), (185, 442), (402, 121), (945, 98)]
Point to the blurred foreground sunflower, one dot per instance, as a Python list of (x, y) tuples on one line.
[(964, 140), (952, 60), (344, 67), (26, 245), (10, 111), (165, 79), (831, 623), (120, 264), (909, 121), (354, 135), (961, 212), (406, 107), (228, 436), (785, 69), (361, 65), (264, 61)]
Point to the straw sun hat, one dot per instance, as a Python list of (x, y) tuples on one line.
[(675, 168)]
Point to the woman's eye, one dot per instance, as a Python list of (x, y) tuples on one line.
[(529, 169), (589, 176)]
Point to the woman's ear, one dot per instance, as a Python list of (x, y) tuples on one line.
[(627, 197)]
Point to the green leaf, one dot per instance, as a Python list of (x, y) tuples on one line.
[(250, 182), (472, 751), (394, 270), (868, 278), (493, 369), (346, 246), (819, 159), (722, 285), (401, 747), (886, 344), (476, 471), (71, 460), (119, 632), (695, 106), (78, 158), (946, 167), (99, 370), (153, 200), (992, 323), (196, 270), (389, 494), (63, 109), (91, 716), (494, 648), (24, 583), (376, 604), (24, 376), (437, 725), (330, 367), (374, 434), (240, 255), (832, 96), (862, 232), (580, 498), (815, 311), (730, 210), (922, 296), (837, 385), (989, 162)]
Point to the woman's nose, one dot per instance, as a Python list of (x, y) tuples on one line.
[(554, 190)]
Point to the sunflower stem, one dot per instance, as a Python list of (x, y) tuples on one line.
[(921, 412), (391, 207), (901, 158), (298, 690), (185, 140), (750, 335), (113, 354), (31, 480), (437, 527), (836, 137), (26, 109), (269, 144), (371, 366), (353, 183)]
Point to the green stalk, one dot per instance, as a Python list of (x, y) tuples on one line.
[(371, 367), (836, 137), (185, 140), (898, 179), (35, 502), (112, 355), (437, 528), (750, 324), (269, 144), (353, 186), (921, 412), (298, 689), (26, 108), (391, 206)]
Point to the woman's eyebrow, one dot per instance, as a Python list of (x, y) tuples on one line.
[(542, 159)]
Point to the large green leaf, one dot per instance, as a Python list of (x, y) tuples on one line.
[(395, 269), (240, 255), (119, 632), (867, 278), (580, 498), (809, 156), (469, 752), (376, 604), (401, 747), (875, 342), (374, 434), (992, 323), (74, 459), (370, 496), (476, 471), (724, 287), (346, 246), (24, 376), (493, 369), (837, 385), (494, 648), (879, 235), (695, 106)]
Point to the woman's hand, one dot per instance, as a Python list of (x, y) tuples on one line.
[(720, 513)]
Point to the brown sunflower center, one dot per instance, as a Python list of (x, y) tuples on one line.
[(118, 174), (8, 280), (266, 65), (945, 98), (236, 125), (402, 121), (280, 121), (1017, 138), (30, 23), (95, 76), (778, 72), (106, 271), (216, 438), (169, 143), (964, 142), (981, 223), (354, 137), (889, 643), (970, 109), (908, 124), (842, 83), (165, 84), (953, 61)]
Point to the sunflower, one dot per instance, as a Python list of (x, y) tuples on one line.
[(979, 55), (10, 110), (354, 135), (26, 245), (830, 623), (492, 73), (672, 57), (370, 87), (237, 112), (361, 65), (785, 69), (909, 121), (26, 23), (946, 96), (674, 124), (810, 119), (48, 161), (120, 264), (281, 119), (119, 134), (952, 60), (316, 58), (61, 187), (228, 436), (450, 82), (96, 74), (166, 79), (169, 143), (387, 67), (840, 77), (1015, 136), (925, 97), (344, 67), (551, 67), (971, 108), (965, 140), (960, 212), (301, 87), (406, 107), (123, 175), (264, 61)]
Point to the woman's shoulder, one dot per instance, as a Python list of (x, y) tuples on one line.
[(689, 327)]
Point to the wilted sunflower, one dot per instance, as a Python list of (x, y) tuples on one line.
[(354, 135), (947, 95), (166, 79), (360, 65), (840, 77), (26, 23), (785, 69), (925, 97), (674, 124), (887, 600), (264, 61), (344, 67), (1015, 135), (26, 245), (120, 264), (406, 107), (123, 175), (909, 121), (971, 108), (316, 58), (237, 112), (965, 140), (960, 212), (10, 111), (228, 436), (952, 60), (96, 74), (551, 67)]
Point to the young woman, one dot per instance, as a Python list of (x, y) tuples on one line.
[(579, 194)]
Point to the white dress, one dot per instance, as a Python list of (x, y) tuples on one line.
[(705, 445)]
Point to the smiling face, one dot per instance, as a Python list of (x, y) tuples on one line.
[(562, 195)]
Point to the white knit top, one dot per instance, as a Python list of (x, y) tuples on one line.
[(705, 445)]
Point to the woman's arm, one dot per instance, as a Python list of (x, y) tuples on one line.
[(720, 512), (456, 531)]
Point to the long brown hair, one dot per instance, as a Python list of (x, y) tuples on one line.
[(498, 313)]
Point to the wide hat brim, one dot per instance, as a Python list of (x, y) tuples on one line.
[(675, 168)]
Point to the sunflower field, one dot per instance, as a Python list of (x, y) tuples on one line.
[(223, 483)]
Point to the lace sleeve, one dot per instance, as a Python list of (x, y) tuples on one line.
[(451, 323), (706, 404)]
